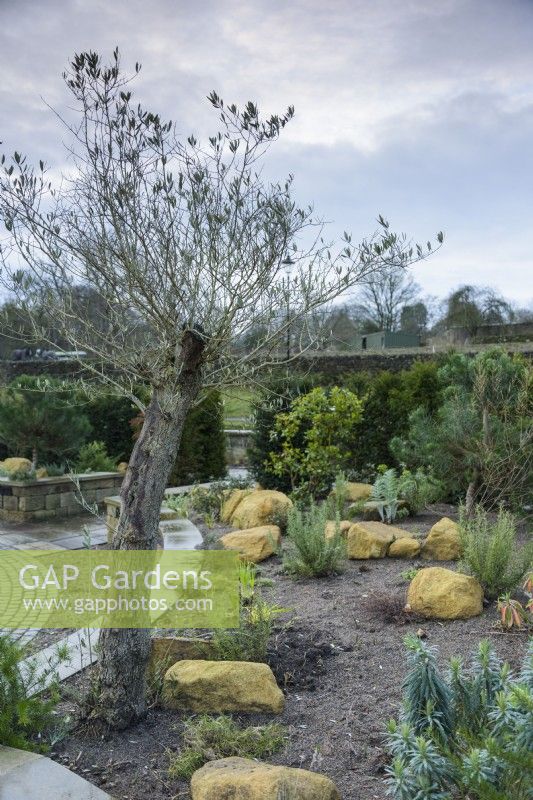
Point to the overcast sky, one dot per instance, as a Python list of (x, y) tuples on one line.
[(421, 110)]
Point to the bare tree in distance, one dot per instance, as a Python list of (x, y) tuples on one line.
[(186, 246), (383, 294)]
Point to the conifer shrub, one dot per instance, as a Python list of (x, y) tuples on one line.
[(40, 419), (27, 720), (93, 458), (201, 454)]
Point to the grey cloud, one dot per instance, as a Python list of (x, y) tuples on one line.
[(421, 109)]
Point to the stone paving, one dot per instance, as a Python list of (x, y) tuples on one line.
[(69, 533), (29, 776)]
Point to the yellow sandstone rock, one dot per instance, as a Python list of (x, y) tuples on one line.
[(253, 544), (243, 779), (231, 503), (122, 466), (371, 539), (444, 594), (261, 507), (166, 650), (42, 472), (442, 543), (404, 548), (217, 686), (331, 527), (358, 491)]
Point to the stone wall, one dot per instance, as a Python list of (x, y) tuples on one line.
[(393, 360), (489, 334), (27, 501), (57, 369), (237, 443)]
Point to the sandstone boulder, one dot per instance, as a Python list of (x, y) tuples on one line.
[(253, 544), (16, 464), (404, 548), (444, 594), (442, 543), (331, 527), (261, 507), (231, 502), (216, 686), (122, 467), (166, 650), (358, 491), (371, 539), (244, 779), (42, 472)]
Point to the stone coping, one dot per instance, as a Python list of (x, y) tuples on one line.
[(114, 500), (60, 478)]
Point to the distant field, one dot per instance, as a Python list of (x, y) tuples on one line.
[(237, 407)]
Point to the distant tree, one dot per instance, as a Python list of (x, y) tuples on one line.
[(469, 307), (382, 297), (414, 318), (523, 314)]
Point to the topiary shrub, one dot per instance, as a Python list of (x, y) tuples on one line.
[(467, 734), (388, 400)]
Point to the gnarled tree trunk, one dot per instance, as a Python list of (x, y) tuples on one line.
[(125, 652)]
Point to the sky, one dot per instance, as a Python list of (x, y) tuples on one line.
[(420, 110)]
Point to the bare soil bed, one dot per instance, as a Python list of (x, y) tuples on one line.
[(339, 658)]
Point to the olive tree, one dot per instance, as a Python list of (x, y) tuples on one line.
[(185, 244)]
